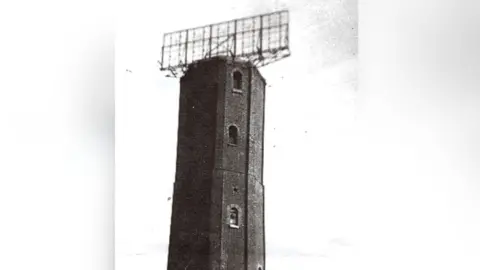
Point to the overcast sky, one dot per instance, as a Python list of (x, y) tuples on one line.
[(353, 176)]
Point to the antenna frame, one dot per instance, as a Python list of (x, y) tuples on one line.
[(266, 42)]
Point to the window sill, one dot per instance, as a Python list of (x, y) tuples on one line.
[(237, 91), (234, 226)]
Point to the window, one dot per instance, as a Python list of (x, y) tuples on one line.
[(233, 217), (237, 80), (233, 135)]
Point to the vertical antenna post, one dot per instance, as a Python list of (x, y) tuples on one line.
[(235, 39), (210, 43), (186, 47), (261, 33)]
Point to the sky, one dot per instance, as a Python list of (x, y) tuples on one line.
[(358, 174)]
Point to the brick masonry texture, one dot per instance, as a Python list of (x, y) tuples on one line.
[(213, 175)]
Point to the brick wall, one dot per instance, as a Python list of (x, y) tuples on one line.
[(213, 175)]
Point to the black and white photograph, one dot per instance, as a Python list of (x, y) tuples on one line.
[(230, 149), (239, 135)]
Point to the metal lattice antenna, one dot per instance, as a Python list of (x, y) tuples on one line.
[(261, 40)]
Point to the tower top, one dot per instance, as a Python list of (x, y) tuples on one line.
[(260, 39), (223, 59)]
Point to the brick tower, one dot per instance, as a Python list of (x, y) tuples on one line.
[(218, 203)]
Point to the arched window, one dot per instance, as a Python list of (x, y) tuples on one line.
[(237, 80), (234, 217), (233, 135)]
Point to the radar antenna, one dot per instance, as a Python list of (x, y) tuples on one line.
[(261, 40)]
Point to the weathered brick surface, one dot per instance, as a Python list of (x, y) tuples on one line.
[(213, 175)]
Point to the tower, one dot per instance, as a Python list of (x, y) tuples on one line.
[(217, 217), (218, 202)]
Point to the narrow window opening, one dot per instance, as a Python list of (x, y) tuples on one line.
[(234, 217), (237, 80), (233, 135)]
